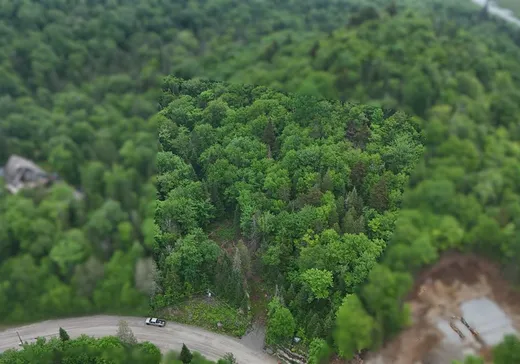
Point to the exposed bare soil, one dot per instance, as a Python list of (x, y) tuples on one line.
[(438, 291)]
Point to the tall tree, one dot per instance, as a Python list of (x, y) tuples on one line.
[(64, 336), (280, 323), (354, 327), (186, 356)]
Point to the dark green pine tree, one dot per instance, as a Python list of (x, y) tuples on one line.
[(64, 335), (186, 355)]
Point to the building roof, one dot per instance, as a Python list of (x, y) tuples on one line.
[(485, 317), (492, 326), (15, 163)]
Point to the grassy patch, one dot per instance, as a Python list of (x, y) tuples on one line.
[(207, 313), (223, 232)]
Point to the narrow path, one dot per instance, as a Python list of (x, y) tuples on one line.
[(211, 345)]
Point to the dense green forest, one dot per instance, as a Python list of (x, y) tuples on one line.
[(79, 91), (79, 83), (463, 86), (79, 86), (310, 187)]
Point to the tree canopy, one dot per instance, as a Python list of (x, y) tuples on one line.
[(455, 158), (310, 185), (88, 350), (331, 203)]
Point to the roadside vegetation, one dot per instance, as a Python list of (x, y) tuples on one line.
[(212, 314), (120, 349)]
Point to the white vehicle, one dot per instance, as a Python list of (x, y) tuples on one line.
[(155, 322)]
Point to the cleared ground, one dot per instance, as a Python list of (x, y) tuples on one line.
[(171, 337), (438, 294)]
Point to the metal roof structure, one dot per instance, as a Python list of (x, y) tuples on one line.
[(491, 322), (485, 317)]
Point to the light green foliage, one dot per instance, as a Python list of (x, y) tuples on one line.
[(280, 323), (320, 281), (470, 360), (193, 257), (319, 351), (463, 192), (200, 312), (331, 251), (354, 327), (61, 250), (229, 358), (508, 351), (70, 250), (384, 294), (309, 185)]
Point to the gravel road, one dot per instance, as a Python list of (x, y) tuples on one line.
[(171, 337)]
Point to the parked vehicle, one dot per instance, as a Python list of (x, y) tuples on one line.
[(155, 322)]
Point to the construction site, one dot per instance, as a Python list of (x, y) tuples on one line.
[(461, 306)]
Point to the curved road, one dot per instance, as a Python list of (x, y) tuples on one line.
[(171, 337)]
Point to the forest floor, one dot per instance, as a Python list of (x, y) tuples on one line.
[(437, 294)]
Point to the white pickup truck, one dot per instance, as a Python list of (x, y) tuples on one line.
[(155, 322)]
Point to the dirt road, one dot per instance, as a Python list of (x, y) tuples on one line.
[(171, 337)]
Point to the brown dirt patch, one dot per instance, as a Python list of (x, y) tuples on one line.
[(467, 269), (454, 267)]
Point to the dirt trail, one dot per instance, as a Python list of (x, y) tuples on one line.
[(171, 337)]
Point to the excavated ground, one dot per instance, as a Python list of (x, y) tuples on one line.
[(437, 294)]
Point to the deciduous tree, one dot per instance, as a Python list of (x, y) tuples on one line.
[(354, 327)]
